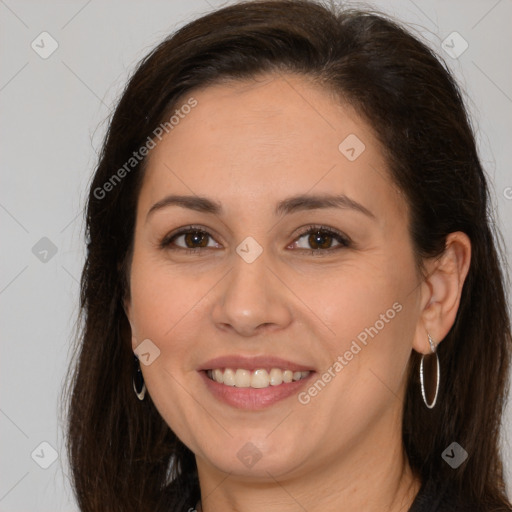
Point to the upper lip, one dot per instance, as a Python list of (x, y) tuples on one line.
[(253, 363)]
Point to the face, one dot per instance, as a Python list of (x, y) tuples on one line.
[(256, 286)]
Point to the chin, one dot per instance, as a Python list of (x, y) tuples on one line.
[(256, 458)]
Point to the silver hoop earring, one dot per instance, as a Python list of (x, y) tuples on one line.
[(438, 374), (139, 385)]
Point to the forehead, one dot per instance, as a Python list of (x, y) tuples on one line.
[(266, 136)]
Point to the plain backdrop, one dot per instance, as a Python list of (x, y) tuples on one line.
[(54, 111)]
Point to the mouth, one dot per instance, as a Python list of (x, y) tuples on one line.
[(254, 382), (258, 379)]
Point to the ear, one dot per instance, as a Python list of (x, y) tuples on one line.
[(441, 291)]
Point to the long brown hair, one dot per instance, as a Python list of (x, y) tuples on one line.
[(122, 454)]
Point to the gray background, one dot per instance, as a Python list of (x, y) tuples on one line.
[(54, 113)]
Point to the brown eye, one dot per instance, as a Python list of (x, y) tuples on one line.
[(196, 237), (188, 239), (321, 239)]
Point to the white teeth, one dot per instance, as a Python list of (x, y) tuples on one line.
[(258, 379), (228, 377), (242, 378), (276, 377), (218, 375)]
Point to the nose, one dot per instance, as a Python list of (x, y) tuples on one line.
[(252, 299)]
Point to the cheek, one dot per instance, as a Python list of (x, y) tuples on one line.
[(168, 308), (363, 302), (371, 311), (369, 362), (159, 297), (162, 311)]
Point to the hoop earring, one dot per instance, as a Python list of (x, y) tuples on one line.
[(438, 374), (139, 385)]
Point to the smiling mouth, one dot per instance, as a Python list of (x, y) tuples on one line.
[(258, 379)]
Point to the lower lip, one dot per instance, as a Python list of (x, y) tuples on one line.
[(251, 398)]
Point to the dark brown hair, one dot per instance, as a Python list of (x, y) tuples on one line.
[(123, 455)]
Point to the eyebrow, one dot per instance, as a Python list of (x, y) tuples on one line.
[(286, 206)]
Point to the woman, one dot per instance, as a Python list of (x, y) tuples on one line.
[(292, 297)]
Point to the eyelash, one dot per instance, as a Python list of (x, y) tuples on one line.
[(343, 240)]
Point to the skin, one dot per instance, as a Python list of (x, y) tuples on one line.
[(249, 145)]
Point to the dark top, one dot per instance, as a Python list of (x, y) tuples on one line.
[(436, 497)]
